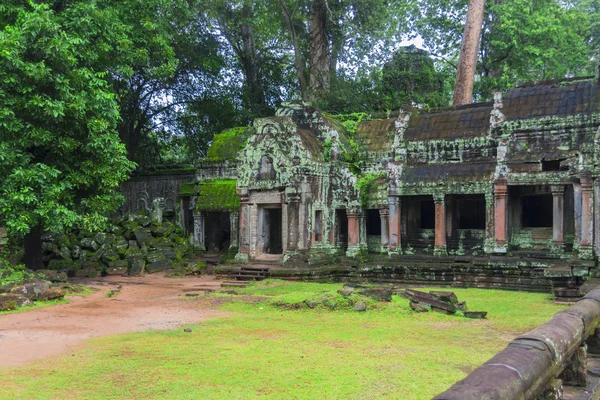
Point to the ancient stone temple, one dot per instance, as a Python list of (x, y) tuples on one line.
[(498, 194)]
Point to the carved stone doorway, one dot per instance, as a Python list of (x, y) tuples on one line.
[(270, 234)]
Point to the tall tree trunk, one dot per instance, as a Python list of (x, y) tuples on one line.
[(467, 63), (336, 49), (297, 53), (320, 58), (33, 248), (250, 64)]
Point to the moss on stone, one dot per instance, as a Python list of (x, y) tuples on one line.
[(188, 189), (218, 195), (366, 185), (227, 144)]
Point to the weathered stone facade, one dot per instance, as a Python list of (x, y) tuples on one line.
[(509, 185)]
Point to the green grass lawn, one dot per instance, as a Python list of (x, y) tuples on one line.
[(268, 352)]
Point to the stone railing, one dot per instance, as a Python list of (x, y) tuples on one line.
[(543, 362)]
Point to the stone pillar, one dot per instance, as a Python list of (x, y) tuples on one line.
[(244, 231), (577, 211), (293, 221), (440, 225), (234, 231), (558, 198), (394, 224), (353, 228), (384, 214), (198, 236), (500, 203), (587, 219), (355, 247), (597, 216), (362, 230), (490, 241)]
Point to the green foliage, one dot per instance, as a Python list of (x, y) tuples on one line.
[(351, 121), (61, 160), (218, 195), (10, 274), (366, 184), (522, 40), (226, 145)]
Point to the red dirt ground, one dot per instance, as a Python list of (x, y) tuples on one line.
[(144, 303)]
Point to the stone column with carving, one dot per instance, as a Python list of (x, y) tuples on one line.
[(244, 231), (440, 225), (394, 239), (587, 219), (558, 198), (384, 214), (577, 212), (234, 231), (353, 233), (198, 236), (500, 204), (490, 241), (597, 216), (293, 221)]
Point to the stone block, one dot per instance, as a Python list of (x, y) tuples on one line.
[(137, 267), (157, 266)]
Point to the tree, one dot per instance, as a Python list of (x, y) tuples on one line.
[(467, 62), (248, 28), (411, 78), (521, 40), (61, 160), (326, 33), (162, 58)]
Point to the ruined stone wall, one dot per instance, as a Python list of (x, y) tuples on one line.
[(140, 190)]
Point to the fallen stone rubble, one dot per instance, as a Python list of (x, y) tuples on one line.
[(439, 301), (133, 245), (47, 285)]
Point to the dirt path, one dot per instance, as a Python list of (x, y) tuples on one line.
[(144, 303)]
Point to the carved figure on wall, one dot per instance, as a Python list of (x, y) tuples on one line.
[(266, 172)]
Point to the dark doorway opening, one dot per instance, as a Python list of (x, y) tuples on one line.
[(273, 243), (471, 212), (373, 223), (341, 225), (217, 231), (427, 214), (536, 211)]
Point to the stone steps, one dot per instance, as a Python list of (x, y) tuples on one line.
[(246, 274)]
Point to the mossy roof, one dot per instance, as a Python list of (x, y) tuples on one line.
[(227, 144), (555, 98), (467, 172), (456, 123), (376, 135), (217, 195)]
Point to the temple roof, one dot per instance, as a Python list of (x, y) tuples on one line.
[(465, 172), (557, 98), (461, 122), (376, 135)]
